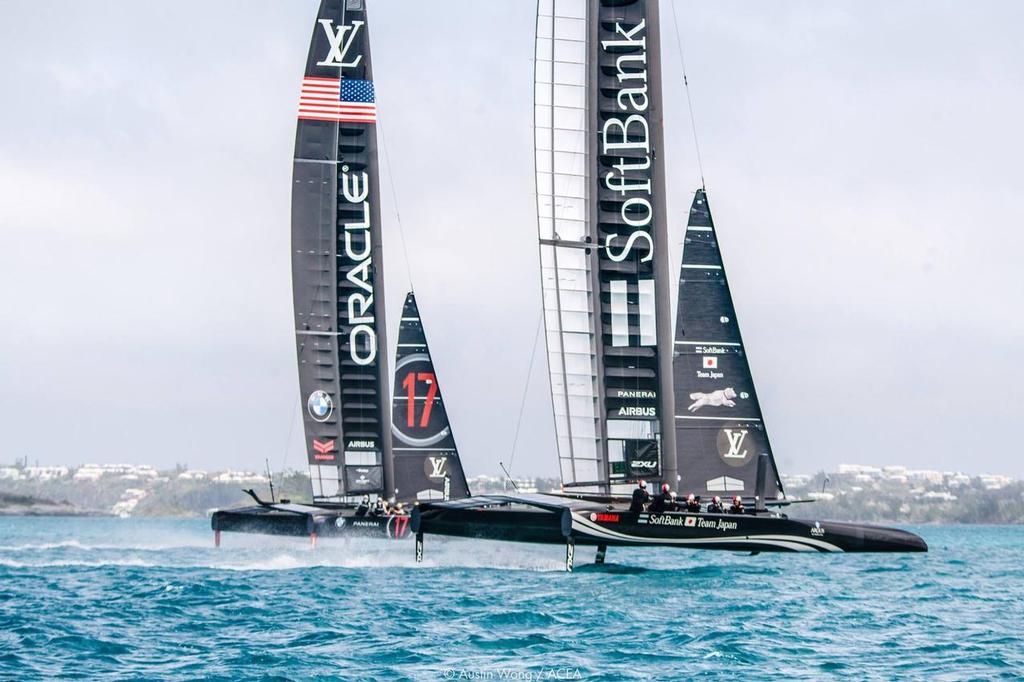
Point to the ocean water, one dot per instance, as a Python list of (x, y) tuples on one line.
[(152, 599)]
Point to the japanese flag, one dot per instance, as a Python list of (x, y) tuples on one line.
[(710, 362)]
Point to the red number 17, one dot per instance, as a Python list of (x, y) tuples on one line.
[(409, 383)]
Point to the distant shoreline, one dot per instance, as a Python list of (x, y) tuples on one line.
[(864, 495)]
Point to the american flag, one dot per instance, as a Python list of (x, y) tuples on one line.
[(337, 99)]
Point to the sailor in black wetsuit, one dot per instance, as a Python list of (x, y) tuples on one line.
[(737, 506), (673, 504), (660, 502), (380, 508), (640, 497), (364, 506), (692, 504), (715, 506)]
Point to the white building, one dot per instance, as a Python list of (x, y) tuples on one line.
[(995, 481), (128, 472), (10, 473), (45, 473), (231, 476), (859, 469)]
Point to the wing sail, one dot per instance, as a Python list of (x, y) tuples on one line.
[(603, 241), (337, 274)]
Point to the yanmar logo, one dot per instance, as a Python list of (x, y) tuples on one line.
[(606, 518)]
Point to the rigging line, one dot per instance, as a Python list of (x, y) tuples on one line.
[(689, 99), (394, 199), (291, 429), (526, 390)]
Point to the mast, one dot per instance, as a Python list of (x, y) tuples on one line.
[(720, 428), (427, 464), (337, 266), (603, 240), (663, 289)]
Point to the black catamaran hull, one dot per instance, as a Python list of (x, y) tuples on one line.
[(561, 522), (303, 521)]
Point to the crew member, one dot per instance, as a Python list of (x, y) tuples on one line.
[(673, 504), (364, 506), (399, 510), (380, 508), (640, 497), (715, 506), (692, 504), (737, 505), (660, 501)]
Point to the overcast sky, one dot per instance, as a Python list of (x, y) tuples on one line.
[(863, 162)]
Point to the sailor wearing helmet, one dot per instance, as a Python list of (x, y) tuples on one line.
[(659, 505), (640, 497)]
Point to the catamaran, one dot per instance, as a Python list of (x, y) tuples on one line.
[(631, 402), (357, 444)]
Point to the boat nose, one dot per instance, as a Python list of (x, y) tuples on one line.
[(917, 543), (905, 541)]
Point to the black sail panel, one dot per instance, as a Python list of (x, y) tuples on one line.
[(720, 431), (337, 276), (426, 458)]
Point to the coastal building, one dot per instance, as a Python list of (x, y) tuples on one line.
[(45, 473), (10, 473), (128, 472), (231, 476)]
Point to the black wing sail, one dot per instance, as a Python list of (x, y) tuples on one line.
[(426, 458), (337, 275), (603, 240), (719, 427)]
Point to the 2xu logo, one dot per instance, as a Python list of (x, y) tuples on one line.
[(340, 39)]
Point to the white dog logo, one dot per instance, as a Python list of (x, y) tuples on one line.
[(721, 397)]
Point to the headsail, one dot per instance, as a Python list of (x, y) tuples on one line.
[(603, 241), (337, 275), (426, 459), (719, 427)]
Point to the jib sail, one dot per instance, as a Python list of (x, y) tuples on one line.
[(719, 427), (337, 275), (603, 242), (427, 464)]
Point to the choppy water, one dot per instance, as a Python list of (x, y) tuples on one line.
[(152, 599)]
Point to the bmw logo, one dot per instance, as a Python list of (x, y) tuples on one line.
[(320, 406), (339, 522)]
